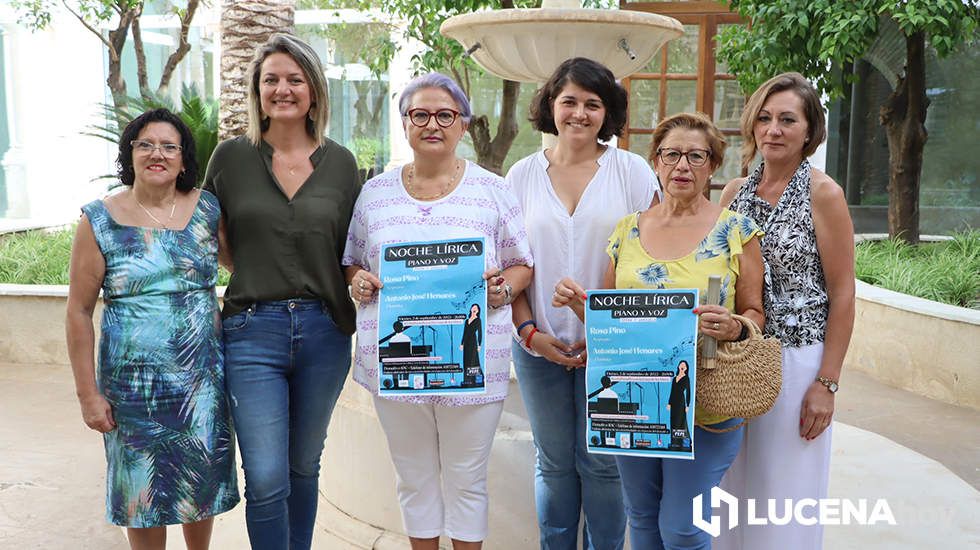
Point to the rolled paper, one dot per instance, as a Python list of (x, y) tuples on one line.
[(709, 346)]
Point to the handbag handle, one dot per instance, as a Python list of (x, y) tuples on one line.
[(754, 331)]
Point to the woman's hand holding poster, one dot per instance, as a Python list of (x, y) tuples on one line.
[(640, 373), (431, 318)]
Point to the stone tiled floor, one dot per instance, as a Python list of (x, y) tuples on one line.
[(920, 455)]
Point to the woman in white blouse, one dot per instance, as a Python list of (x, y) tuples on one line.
[(572, 196)]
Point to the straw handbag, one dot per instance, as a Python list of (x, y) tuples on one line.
[(745, 377)]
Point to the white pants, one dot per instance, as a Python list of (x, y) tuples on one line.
[(441, 456), (776, 463)]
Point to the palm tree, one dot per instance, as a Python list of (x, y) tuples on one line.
[(245, 25)]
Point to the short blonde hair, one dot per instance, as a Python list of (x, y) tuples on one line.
[(693, 121), (812, 110), (304, 56)]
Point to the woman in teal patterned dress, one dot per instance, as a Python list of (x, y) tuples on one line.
[(159, 397)]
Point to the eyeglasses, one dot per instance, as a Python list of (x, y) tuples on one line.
[(420, 117), (168, 150), (695, 157)]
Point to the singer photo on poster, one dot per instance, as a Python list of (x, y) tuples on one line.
[(432, 318), (640, 372)]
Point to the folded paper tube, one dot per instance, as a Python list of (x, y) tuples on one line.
[(709, 346)]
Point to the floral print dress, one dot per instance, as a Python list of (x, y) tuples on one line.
[(171, 458), (717, 254)]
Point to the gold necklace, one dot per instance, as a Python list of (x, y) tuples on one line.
[(410, 184), (173, 208), (290, 169)]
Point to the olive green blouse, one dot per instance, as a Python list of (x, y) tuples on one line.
[(285, 248)]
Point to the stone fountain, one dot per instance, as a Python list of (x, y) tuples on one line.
[(526, 45)]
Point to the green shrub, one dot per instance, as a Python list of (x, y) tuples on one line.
[(947, 271), (35, 257), (42, 257), (366, 151)]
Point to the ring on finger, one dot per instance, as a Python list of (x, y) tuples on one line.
[(717, 326)]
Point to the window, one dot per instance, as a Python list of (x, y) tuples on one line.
[(686, 76)]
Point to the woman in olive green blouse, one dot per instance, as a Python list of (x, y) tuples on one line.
[(286, 195)]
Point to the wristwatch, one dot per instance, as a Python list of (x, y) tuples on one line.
[(828, 383)]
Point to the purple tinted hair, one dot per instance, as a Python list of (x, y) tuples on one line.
[(436, 80)]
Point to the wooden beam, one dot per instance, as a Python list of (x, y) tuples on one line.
[(706, 66), (696, 7), (662, 108), (625, 140), (669, 76)]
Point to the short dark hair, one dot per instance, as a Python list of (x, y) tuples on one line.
[(187, 179), (592, 76)]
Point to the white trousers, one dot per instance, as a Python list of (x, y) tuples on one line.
[(441, 456), (776, 463)]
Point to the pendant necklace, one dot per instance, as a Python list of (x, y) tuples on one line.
[(290, 169), (173, 208), (410, 184)]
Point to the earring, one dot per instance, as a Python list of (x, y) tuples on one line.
[(807, 140)]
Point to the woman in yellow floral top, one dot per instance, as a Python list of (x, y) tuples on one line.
[(679, 243)]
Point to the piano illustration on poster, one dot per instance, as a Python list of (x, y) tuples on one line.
[(640, 372), (432, 318)]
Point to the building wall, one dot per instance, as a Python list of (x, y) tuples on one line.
[(54, 83)]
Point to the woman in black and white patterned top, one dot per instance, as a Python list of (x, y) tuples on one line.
[(808, 251)]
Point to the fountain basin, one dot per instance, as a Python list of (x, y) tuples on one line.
[(526, 45)]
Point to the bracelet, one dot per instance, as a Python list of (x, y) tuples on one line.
[(521, 326), (527, 342), (744, 334)]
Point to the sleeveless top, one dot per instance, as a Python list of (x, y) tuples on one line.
[(171, 458), (794, 291)]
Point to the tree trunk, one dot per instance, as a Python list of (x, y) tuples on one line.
[(368, 112), (117, 39), (245, 25), (141, 79), (183, 46), (904, 116), (491, 153)]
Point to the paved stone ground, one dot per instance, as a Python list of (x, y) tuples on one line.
[(921, 455)]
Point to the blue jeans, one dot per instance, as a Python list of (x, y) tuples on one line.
[(659, 491), (285, 364), (567, 479)]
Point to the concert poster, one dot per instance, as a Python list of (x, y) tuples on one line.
[(640, 373), (432, 313)]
